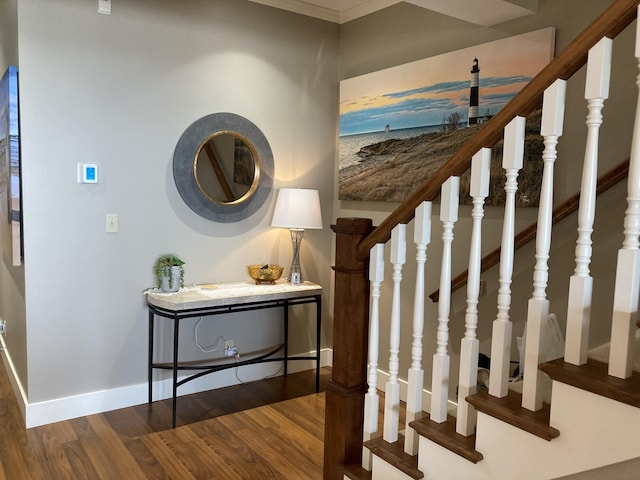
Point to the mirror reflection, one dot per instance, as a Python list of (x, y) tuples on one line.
[(227, 168)]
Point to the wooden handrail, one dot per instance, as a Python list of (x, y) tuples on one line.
[(609, 24), (605, 182)]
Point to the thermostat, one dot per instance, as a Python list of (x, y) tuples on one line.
[(87, 173)]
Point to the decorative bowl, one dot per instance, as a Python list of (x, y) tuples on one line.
[(265, 273)]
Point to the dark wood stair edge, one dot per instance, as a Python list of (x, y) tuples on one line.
[(355, 472), (509, 409), (394, 455), (594, 377), (445, 435)]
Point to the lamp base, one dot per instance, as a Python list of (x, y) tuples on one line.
[(295, 273)]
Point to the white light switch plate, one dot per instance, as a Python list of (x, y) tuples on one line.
[(104, 6), (112, 222)]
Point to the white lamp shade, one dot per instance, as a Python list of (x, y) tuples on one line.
[(297, 208)]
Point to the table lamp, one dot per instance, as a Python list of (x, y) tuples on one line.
[(297, 209)]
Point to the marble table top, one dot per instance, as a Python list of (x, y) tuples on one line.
[(234, 293)]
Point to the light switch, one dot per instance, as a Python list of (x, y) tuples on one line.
[(104, 6), (112, 222)]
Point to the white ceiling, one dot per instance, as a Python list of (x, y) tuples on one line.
[(480, 12)]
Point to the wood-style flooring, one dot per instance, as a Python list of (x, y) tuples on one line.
[(267, 429)]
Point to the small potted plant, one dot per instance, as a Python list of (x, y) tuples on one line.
[(169, 272)]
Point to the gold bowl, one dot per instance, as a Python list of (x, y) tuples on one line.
[(265, 273)]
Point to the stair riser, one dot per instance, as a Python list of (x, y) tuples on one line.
[(383, 471), (594, 431)]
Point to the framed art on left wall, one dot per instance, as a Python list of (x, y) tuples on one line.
[(10, 187)]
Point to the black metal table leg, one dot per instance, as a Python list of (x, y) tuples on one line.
[(286, 337), (318, 330), (149, 365), (176, 325)]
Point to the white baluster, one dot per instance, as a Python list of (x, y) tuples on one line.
[(581, 283), (392, 387), (538, 311), (512, 158), (371, 399), (415, 377), (469, 345), (625, 299), (440, 374)]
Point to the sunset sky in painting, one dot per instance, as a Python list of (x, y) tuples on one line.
[(423, 92)]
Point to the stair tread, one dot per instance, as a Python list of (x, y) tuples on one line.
[(394, 454), (594, 377), (445, 435), (509, 409)]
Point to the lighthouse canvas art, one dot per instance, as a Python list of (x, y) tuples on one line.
[(398, 125)]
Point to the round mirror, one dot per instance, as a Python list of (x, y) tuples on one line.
[(223, 167), (227, 168)]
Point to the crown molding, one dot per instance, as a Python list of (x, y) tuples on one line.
[(479, 12), (303, 8)]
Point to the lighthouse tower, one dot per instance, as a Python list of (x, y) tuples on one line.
[(474, 93)]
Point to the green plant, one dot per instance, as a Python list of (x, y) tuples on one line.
[(163, 265)]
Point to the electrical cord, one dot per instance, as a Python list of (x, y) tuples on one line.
[(275, 374), (216, 345), (211, 348)]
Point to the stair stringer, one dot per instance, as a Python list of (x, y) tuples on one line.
[(594, 431)]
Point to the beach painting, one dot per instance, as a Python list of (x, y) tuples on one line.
[(398, 125), (10, 202)]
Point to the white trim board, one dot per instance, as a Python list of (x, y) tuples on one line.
[(66, 408), (383, 377)]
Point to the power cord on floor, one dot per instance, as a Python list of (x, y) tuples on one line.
[(277, 373)]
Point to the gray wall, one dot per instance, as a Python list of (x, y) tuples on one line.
[(119, 90), (404, 33), (8, 33)]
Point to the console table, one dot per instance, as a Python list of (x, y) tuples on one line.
[(208, 300)]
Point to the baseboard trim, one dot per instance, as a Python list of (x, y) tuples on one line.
[(66, 408), (18, 390), (383, 377)]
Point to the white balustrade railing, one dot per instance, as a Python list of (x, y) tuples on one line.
[(392, 387), (512, 159), (415, 376), (371, 399), (538, 308), (581, 282), (627, 286), (469, 345), (441, 360)]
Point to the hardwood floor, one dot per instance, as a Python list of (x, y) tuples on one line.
[(276, 432)]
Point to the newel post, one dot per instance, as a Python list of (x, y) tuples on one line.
[(344, 411)]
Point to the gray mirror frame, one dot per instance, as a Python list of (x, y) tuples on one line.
[(184, 157)]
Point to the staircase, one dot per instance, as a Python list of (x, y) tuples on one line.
[(591, 416)]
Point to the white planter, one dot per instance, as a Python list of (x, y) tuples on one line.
[(173, 284)]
